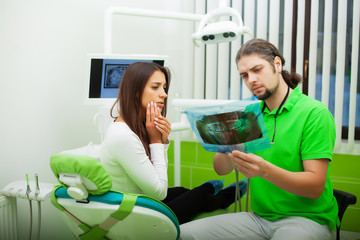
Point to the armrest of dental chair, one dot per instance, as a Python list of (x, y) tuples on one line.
[(344, 199)]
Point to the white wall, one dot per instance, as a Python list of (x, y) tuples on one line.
[(43, 48)]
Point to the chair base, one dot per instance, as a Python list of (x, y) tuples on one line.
[(142, 223)]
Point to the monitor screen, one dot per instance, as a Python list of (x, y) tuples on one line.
[(105, 72)]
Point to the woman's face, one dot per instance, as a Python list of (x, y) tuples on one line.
[(155, 90)]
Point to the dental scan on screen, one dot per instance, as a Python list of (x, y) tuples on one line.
[(223, 128)]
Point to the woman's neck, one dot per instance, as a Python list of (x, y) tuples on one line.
[(119, 119)]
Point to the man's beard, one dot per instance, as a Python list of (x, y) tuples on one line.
[(266, 95)]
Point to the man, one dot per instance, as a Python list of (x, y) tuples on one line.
[(291, 193)]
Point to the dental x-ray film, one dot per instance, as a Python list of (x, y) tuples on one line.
[(238, 125)]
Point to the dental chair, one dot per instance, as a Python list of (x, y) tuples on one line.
[(93, 211)]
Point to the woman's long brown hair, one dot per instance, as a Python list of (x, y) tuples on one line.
[(129, 98)]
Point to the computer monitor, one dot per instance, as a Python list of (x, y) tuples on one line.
[(104, 75)]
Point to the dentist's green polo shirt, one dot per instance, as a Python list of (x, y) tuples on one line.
[(305, 129)]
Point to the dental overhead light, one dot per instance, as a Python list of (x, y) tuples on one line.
[(222, 31)]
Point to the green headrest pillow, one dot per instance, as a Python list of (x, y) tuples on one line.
[(86, 166)]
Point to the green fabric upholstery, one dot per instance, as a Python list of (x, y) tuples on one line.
[(86, 166)]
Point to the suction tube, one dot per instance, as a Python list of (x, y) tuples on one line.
[(37, 191), (28, 190)]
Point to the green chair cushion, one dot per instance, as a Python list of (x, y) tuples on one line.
[(86, 166)]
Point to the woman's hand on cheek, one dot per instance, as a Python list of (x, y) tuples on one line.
[(164, 126), (155, 135)]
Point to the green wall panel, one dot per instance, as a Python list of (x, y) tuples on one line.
[(186, 176), (188, 153), (171, 152), (351, 220), (345, 166), (204, 157), (171, 175)]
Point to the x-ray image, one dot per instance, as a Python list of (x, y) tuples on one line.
[(223, 128), (229, 128), (113, 74)]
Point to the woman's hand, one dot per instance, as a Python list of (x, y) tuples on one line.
[(164, 126), (157, 126), (153, 112)]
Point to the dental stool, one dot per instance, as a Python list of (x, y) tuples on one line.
[(93, 211)]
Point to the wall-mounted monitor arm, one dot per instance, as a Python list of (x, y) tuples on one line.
[(141, 13)]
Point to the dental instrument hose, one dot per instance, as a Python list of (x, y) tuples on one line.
[(238, 194), (237, 191), (28, 190), (37, 192), (247, 194)]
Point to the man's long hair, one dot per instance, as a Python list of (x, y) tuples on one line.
[(268, 52)]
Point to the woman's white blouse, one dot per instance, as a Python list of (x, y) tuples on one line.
[(131, 170)]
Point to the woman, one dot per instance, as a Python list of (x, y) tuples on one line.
[(134, 151)]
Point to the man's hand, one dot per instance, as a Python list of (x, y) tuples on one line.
[(248, 164)]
